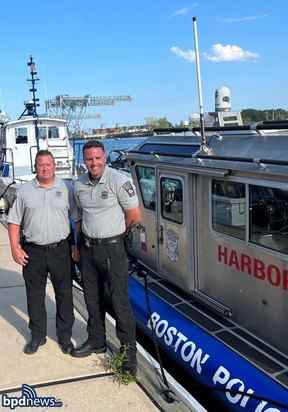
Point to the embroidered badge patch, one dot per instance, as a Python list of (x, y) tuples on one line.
[(58, 193), (104, 195), (129, 189)]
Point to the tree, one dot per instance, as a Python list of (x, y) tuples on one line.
[(253, 115), (160, 123)]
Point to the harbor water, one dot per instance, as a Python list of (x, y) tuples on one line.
[(110, 145)]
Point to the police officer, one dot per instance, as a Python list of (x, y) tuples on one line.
[(108, 207), (41, 209)]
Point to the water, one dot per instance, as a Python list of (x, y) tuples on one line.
[(109, 144)]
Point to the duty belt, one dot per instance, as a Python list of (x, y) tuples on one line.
[(49, 246), (89, 241)]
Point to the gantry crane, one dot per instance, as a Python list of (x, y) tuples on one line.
[(74, 109)]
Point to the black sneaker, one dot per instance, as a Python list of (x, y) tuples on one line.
[(67, 347)]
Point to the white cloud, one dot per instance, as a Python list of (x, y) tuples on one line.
[(188, 55), (230, 20), (184, 11), (228, 53)]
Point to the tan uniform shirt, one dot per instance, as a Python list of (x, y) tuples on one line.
[(43, 212), (102, 206)]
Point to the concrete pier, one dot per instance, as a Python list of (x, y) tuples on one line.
[(49, 364)]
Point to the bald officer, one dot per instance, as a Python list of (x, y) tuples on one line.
[(108, 207), (41, 209)]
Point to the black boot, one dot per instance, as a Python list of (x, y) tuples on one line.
[(87, 349), (129, 364), (32, 347)]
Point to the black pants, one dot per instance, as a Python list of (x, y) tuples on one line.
[(57, 262), (104, 268)]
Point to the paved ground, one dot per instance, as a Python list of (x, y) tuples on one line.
[(49, 364)]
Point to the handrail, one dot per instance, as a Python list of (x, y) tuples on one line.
[(243, 159), (31, 161), (258, 161), (265, 125)]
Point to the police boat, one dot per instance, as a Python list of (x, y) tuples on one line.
[(209, 277)]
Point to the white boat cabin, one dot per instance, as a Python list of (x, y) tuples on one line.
[(19, 145)]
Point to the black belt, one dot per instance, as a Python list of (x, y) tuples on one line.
[(88, 241), (49, 246)]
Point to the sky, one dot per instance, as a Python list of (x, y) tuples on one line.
[(145, 49)]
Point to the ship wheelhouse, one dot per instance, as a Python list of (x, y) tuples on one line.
[(20, 145)]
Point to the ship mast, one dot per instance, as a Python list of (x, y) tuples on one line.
[(31, 106)]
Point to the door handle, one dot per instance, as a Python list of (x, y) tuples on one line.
[(161, 235)]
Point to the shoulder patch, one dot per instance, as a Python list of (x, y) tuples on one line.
[(129, 189)]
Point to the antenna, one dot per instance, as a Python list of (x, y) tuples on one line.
[(31, 107), (204, 147), (33, 89)]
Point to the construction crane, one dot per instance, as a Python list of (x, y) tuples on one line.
[(74, 109)]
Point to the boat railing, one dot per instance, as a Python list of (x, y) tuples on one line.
[(31, 158), (253, 127), (258, 161)]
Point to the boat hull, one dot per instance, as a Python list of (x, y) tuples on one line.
[(204, 357)]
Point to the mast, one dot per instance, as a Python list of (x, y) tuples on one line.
[(31, 106), (204, 146), (35, 100)]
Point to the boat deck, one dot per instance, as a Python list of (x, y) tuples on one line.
[(81, 384)]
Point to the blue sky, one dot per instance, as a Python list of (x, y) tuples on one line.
[(145, 49)]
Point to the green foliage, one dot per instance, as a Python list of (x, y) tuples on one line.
[(248, 115), (253, 115), (114, 363), (160, 123)]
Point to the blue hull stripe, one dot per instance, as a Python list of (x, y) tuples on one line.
[(206, 358)]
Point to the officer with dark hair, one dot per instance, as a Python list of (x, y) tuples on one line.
[(108, 207), (42, 209)]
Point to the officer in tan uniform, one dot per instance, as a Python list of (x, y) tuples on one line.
[(108, 206), (42, 209)]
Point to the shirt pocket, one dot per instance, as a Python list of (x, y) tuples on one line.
[(85, 199), (59, 199)]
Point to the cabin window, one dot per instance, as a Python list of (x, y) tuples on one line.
[(268, 217), (147, 183), (229, 208), (52, 132), (230, 118), (21, 135), (172, 199)]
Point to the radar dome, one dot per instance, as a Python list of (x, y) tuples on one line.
[(222, 99)]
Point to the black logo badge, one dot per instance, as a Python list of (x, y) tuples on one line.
[(104, 195), (58, 193), (129, 189)]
